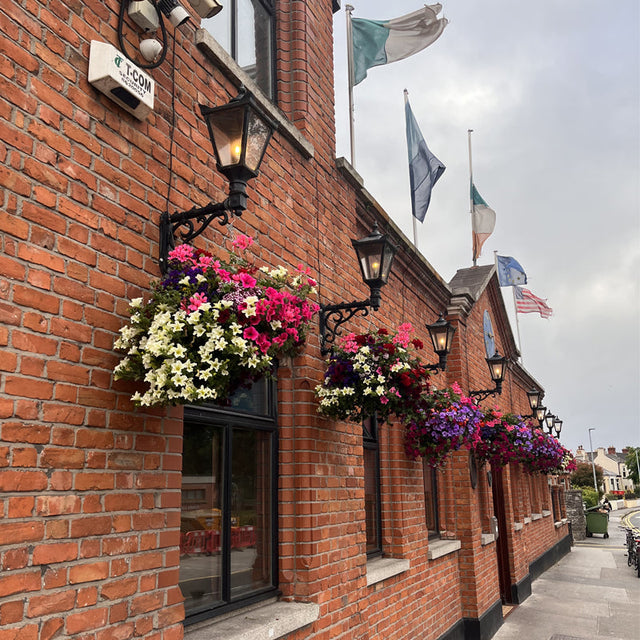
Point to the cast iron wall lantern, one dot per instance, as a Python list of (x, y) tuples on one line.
[(497, 366), (441, 333), (539, 414), (375, 256), (548, 421), (535, 402), (240, 132), (557, 426), (534, 396)]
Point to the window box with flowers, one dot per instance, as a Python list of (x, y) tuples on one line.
[(212, 327)]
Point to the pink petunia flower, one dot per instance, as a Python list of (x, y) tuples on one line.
[(195, 301), (242, 242)]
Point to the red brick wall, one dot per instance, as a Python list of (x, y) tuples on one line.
[(90, 487)]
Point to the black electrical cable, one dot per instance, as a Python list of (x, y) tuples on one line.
[(121, 41)]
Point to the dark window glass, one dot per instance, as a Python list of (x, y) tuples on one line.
[(431, 499), (244, 28), (372, 486), (228, 533)]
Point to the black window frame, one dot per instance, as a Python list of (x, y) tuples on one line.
[(370, 442), (228, 418)]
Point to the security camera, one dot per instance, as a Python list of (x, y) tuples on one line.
[(150, 49), (144, 14), (175, 12), (206, 8)]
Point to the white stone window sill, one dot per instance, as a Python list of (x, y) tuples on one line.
[(439, 548), (487, 538), (527, 520), (545, 513), (518, 526), (536, 516), (379, 569), (263, 622)]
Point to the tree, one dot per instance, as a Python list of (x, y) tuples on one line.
[(632, 463), (583, 475)]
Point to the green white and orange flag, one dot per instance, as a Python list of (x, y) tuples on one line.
[(483, 221), (377, 42)]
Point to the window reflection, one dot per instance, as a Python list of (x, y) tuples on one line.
[(226, 528)]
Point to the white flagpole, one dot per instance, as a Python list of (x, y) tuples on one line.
[(348, 9), (469, 132), (415, 222), (513, 290), (515, 309)]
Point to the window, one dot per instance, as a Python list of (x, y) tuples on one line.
[(372, 485), (430, 477), (245, 29), (228, 529)]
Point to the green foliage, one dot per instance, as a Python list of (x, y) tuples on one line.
[(583, 475), (631, 495), (589, 497), (632, 463)]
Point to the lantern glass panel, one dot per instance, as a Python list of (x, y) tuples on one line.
[(534, 399), (370, 261), (258, 135), (227, 129), (387, 260), (496, 367)]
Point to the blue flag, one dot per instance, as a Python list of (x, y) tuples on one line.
[(509, 271), (424, 168)]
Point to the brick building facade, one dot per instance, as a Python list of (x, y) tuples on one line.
[(96, 499)]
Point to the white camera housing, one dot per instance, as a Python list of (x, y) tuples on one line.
[(121, 80), (174, 11), (144, 14), (206, 8), (150, 49)]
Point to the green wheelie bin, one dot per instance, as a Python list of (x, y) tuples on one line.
[(597, 522)]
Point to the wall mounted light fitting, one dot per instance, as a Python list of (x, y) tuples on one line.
[(375, 256), (497, 368), (240, 132), (441, 334)]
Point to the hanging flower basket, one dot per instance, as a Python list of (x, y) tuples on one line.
[(373, 373), (498, 433), (211, 328), (545, 454), (443, 422)]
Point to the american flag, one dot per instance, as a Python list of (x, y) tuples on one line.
[(526, 302)]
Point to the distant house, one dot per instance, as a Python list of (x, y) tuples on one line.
[(614, 470)]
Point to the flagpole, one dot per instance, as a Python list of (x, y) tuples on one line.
[(413, 218), (348, 9), (469, 132), (515, 307)]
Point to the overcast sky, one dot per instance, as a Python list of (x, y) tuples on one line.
[(551, 91)]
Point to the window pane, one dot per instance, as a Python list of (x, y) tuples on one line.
[(220, 26), (430, 498), (253, 39), (200, 523), (250, 511), (371, 499), (254, 400)]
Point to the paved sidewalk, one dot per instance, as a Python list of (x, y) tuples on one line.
[(588, 595)]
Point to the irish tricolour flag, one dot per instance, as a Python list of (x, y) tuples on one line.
[(377, 42)]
